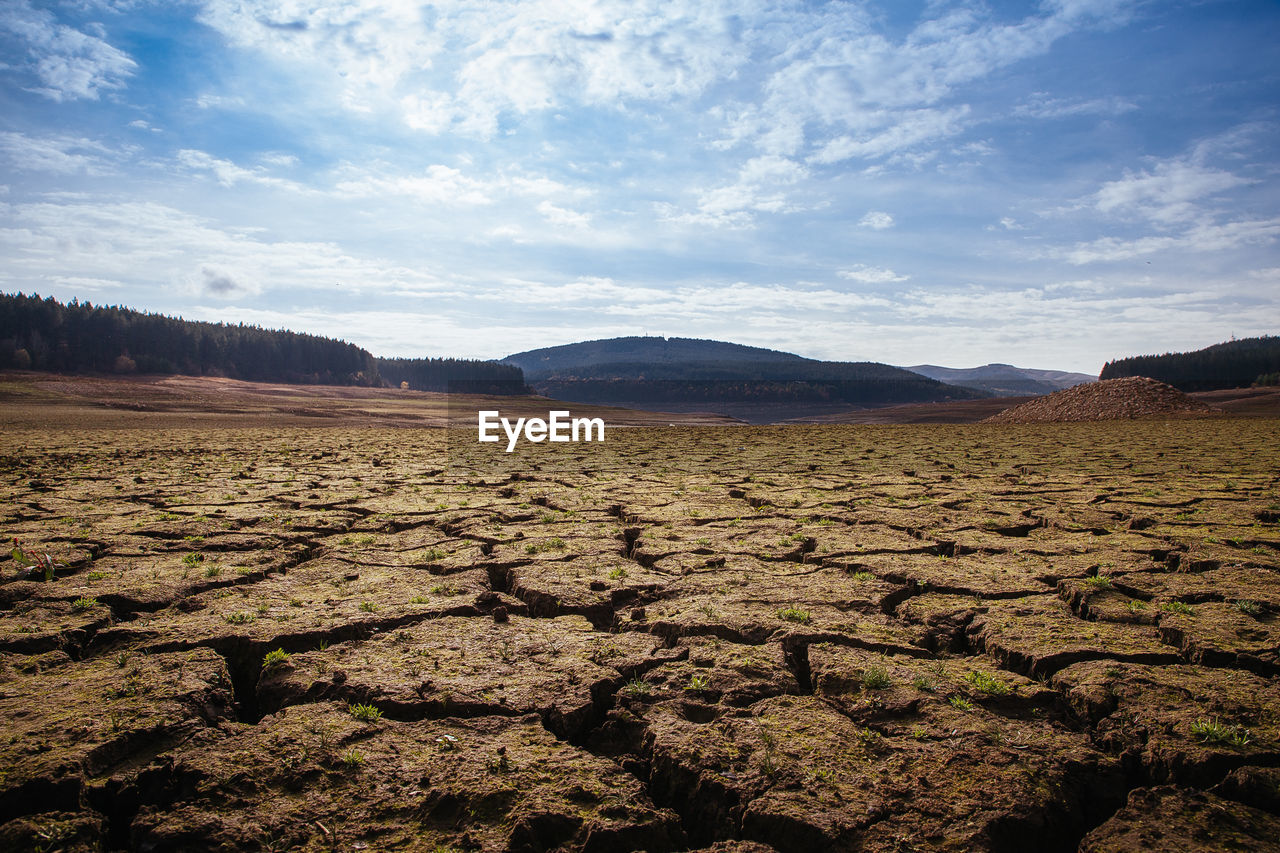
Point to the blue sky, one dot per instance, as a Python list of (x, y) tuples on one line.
[(1049, 184)]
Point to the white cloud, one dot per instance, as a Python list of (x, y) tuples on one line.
[(876, 220), (70, 64), (564, 217), (871, 275), (1167, 194), (761, 187), (1200, 238), (229, 174), (463, 66), (61, 155), (1041, 105), (154, 246)]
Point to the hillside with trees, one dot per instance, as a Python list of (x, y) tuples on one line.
[(1234, 364), (684, 374), (80, 337)]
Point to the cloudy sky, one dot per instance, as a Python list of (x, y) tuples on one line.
[(1049, 184)]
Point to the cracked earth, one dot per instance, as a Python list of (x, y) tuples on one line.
[(878, 638)]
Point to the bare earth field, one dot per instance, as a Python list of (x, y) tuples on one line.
[(269, 631)]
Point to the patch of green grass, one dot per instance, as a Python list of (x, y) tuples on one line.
[(1177, 607), (445, 589), (352, 758), (240, 617), (987, 684), (637, 687), (275, 658), (617, 574), (1249, 607), (193, 559), (875, 678), (368, 607), (697, 682), (921, 682), (961, 703), (431, 555), (84, 603), (1212, 731), (96, 576), (1098, 582), (863, 576), (365, 713), (794, 614)]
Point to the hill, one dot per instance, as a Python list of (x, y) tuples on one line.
[(1106, 400), (1004, 380), (755, 384), (80, 337), (538, 363), (1234, 364)]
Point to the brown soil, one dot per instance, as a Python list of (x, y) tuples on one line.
[(751, 639), (1109, 400)]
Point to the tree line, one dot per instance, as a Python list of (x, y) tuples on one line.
[(80, 337), (1234, 364)]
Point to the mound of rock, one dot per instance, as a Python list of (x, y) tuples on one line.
[(1109, 400)]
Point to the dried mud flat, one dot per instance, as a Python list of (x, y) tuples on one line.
[(737, 639)]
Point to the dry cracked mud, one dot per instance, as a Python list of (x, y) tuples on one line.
[(877, 638)]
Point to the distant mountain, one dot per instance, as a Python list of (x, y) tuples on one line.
[(1234, 364), (639, 351), (1005, 380), (752, 383)]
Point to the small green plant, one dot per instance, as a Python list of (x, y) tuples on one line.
[(431, 555), (1098, 582), (921, 682), (1249, 607), (193, 559), (794, 614), (637, 687), (240, 617), (1177, 607), (960, 703), (987, 684), (1136, 606), (96, 576), (44, 563), (1212, 731), (863, 576), (445, 589), (84, 603), (368, 607), (275, 658), (419, 599), (617, 574), (212, 571), (875, 678), (697, 682), (365, 713), (352, 758)]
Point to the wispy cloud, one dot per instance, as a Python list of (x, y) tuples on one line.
[(69, 64)]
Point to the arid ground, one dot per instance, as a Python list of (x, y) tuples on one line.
[(308, 632)]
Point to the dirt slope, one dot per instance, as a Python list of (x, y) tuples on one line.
[(1109, 400)]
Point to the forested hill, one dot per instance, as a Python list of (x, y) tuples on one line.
[(79, 337), (1235, 364), (640, 350), (757, 384)]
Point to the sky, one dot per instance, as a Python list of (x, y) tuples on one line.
[(1051, 184)]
